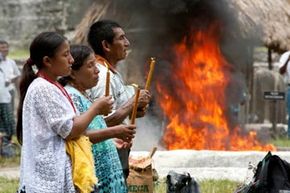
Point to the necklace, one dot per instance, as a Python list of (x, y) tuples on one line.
[(85, 94)]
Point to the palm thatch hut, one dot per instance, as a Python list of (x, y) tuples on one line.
[(263, 20), (271, 18)]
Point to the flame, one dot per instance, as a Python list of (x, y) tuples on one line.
[(195, 107)]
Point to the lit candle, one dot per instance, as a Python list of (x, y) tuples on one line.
[(135, 106), (149, 77), (107, 91)]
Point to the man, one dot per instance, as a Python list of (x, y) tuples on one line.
[(109, 42), (11, 74), (284, 69), (10, 70)]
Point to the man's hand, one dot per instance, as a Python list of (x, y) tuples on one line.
[(144, 99)]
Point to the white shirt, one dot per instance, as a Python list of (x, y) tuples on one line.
[(5, 96), (11, 71), (120, 92), (282, 61), (47, 121)]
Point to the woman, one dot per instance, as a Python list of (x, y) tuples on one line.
[(107, 164), (47, 117)]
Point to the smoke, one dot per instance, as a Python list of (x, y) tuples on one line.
[(149, 133), (154, 26)]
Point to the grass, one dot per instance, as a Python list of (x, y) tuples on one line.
[(9, 162), (13, 161), (206, 186), (18, 54), (8, 185), (218, 186), (281, 142)]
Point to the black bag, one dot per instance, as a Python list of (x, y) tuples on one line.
[(272, 176), (181, 183)]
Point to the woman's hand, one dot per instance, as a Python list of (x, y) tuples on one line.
[(104, 105)]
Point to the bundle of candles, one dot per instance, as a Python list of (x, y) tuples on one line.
[(147, 86), (134, 110)]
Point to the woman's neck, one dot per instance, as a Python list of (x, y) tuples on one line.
[(47, 75), (80, 88)]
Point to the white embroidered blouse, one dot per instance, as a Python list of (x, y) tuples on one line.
[(47, 120)]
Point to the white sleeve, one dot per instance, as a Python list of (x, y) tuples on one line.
[(55, 108), (16, 70), (283, 58)]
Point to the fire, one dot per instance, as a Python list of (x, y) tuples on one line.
[(195, 109)]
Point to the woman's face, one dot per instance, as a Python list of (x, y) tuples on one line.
[(61, 62), (88, 75)]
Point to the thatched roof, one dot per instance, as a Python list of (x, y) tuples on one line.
[(94, 13), (263, 20), (271, 18)]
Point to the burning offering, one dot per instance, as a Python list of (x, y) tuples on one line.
[(193, 99)]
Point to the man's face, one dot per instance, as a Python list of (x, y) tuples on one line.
[(120, 45), (4, 49)]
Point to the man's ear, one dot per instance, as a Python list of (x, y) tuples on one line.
[(46, 61), (106, 46)]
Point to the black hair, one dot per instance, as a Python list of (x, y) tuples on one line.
[(79, 53), (45, 44), (99, 31), (4, 42)]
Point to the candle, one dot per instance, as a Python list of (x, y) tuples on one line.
[(135, 106), (107, 91), (149, 77)]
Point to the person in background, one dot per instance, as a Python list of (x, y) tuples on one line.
[(6, 118), (12, 73), (47, 117), (284, 69), (84, 76), (110, 45), (10, 69)]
